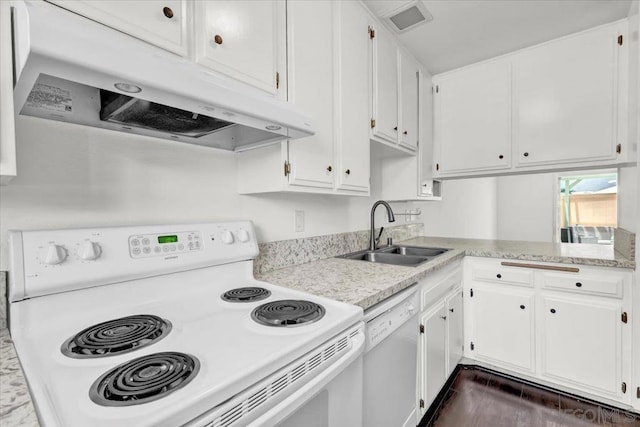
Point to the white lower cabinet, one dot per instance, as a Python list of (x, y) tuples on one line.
[(582, 342), (567, 326), (441, 332), (502, 320)]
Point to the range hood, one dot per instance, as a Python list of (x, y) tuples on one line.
[(71, 69)]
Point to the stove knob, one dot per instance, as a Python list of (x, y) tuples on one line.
[(89, 251), (243, 235), (227, 237), (56, 254)]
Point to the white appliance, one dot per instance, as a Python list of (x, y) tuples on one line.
[(71, 69), (103, 319), (391, 361)]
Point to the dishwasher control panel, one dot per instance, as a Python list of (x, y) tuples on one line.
[(380, 327)]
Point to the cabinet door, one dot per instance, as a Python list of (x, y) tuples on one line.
[(311, 81), (455, 335), (353, 96), (502, 320), (433, 352), (162, 23), (582, 343), (566, 99), (409, 75), (472, 118), (243, 39), (7, 124), (385, 86)]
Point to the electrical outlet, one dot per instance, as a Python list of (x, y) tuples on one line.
[(298, 221)]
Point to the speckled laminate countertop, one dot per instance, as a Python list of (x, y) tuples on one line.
[(355, 282), (365, 284)]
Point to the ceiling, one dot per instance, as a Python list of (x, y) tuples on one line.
[(466, 31)]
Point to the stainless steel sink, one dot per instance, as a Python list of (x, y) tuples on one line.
[(414, 250), (409, 256)]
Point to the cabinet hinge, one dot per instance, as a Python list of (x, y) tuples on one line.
[(373, 123), (624, 387), (277, 80), (422, 329), (619, 148), (372, 32), (287, 168), (471, 293), (620, 39), (422, 403), (624, 317), (472, 346)]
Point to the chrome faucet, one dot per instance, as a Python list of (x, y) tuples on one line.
[(392, 218)]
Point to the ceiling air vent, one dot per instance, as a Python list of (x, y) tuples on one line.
[(408, 16)]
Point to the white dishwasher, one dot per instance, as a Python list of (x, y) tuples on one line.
[(390, 361)]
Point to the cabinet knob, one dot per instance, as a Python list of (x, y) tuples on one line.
[(395, 128), (553, 310), (443, 317), (451, 310), (329, 168), (522, 307), (578, 284), (526, 154), (501, 157), (405, 133), (167, 12), (217, 39), (348, 171), (499, 276)]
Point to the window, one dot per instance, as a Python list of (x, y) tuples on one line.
[(588, 207)]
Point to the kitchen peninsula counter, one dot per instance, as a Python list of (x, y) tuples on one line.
[(366, 284), (356, 282)]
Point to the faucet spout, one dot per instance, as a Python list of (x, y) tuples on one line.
[(392, 218)]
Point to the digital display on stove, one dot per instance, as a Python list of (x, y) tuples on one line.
[(167, 239)]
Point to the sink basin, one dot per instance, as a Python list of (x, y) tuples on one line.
[(414, 250), (410, 256)]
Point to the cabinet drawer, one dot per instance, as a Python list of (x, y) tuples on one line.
[(584, 283), (500, 274)]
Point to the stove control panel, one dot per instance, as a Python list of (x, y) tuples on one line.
[(150, 245)]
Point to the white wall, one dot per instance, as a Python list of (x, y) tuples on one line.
[(468, 210), (525, 207), (73, 176)]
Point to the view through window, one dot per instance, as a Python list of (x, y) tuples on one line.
[(588, 208)]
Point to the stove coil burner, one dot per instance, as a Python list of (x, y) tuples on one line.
[(116, 336), (248, 294), (144, 379), (288, 313)]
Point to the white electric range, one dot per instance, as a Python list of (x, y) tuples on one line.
[(166, 326)]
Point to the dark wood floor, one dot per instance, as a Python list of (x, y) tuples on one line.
[(479, 398)]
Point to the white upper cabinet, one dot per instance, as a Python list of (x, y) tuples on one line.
[(242, 39), (560, 104), (473, 118), (352, 108), (408, 117), (161, 23), (566, 99), (328, 78), (384, 125), (8, 167), (311, 82)]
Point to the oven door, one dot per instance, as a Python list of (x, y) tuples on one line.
[(333, 398)]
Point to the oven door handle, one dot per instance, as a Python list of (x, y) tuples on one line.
[(289, 405)]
